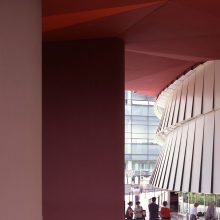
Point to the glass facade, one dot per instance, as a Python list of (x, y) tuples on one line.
[(187, 200), (141, 124)]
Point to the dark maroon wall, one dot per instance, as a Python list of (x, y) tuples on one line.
[(83, 130)]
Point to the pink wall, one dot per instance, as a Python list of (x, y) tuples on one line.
[(20, 110), (83, 130)]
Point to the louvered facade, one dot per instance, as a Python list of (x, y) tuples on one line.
[(190, 132)]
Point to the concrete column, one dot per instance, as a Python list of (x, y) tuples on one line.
[(20, 110), (83, 130)]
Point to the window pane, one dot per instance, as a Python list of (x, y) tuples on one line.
[(139, 149), (127, 141), (151, 136), (128, 135), (155, 123), (138, 102), (208, 199), (217, 199), (139, 110), (200, 200), (154, 149), (128, 157), (139, 157), (140, 136), (139, 118), (152, 157), (139, 129), (151, 111), (127, 148), (127, 128), (128, 110), (185, 202), (127, 94), (137, 96), (152, 129), (139, 122), (139, 140)]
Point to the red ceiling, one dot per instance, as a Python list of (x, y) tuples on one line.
[(163, 38)]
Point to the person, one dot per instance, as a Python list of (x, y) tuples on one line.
[(132, 181), (129, 211), (137, 194), (193, 212), (153, 209), (138, 211), (165, 211), (210, 213)]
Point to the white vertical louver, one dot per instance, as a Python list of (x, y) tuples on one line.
[(191, 125)]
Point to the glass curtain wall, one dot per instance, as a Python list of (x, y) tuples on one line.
[(141, 124), (187, 200)]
